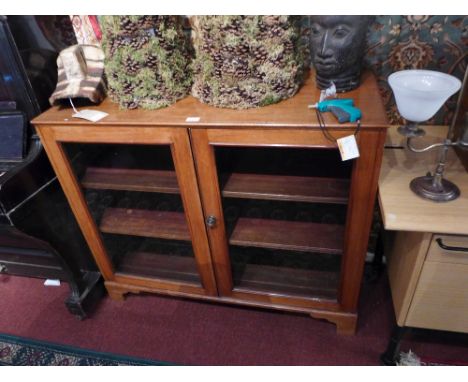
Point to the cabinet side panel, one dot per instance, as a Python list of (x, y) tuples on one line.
[(360, 213), (404, 263)]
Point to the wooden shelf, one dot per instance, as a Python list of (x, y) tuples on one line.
[(288, 235), (287, 281), (288, 188), (237, 185), (146, 264), (131, 180), (157, 224)]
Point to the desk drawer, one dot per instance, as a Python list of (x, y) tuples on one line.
[(441, 298), (437, 253)]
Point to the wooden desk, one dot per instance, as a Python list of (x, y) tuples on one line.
[(429, 285)]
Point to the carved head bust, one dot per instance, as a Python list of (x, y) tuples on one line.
[(337, 47)]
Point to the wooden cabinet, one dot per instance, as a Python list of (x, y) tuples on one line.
[(429, 282), (427, 255), (251, 207)]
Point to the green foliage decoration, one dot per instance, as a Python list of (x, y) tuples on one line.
[(147, 60), (247, 61)]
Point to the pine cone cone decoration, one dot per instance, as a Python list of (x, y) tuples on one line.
[(288, 47), (242, 49), (127, 26), (152, 61), (128, 87), (228, 50), (259, 53), (137, 42), (129, 104), (146, 22), (238, 58), (147, 60), (115, 43), (237, 68), (131, 66), (275, 31), (279, 61)]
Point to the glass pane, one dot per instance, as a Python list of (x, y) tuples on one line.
[(134, 198), (285, 213)]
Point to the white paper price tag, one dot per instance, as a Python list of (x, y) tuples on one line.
[(52, 282), (90, 115), (192, 119), (348, 147)]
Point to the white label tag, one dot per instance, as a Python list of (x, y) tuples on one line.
[(52, 282), (348, 147), (192, 119), (90, 115)]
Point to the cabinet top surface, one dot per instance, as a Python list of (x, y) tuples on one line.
[(293, 112), (402, 210)]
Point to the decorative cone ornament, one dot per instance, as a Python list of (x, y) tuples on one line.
[(147, 60), (247, 61)]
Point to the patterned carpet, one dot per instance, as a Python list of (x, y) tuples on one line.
[(18, 351)]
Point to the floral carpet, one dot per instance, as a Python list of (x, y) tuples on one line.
[(18, 351)]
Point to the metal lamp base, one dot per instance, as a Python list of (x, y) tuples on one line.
[(411, 131), (423, 187)]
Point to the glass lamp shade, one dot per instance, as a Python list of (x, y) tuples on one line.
[(419, 94)]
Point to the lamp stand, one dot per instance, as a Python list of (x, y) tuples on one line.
[(435, 187), (411, 130)]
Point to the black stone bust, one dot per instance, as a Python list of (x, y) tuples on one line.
[(337, 48)]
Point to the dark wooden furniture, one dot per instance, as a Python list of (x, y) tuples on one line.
[(250, 207), (36, 224)]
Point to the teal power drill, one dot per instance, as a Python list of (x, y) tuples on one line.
[(342, 108)]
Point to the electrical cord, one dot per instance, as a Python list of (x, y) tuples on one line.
[(327, 133)]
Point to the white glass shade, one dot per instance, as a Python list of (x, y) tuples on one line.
[(419, 94)]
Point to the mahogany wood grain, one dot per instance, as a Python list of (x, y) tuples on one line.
[(116, 292), (157, 224), (288, 281), (94, 133), (278, 136), (141, 283), (291, 188), (260, 298), (345, 322), (288, 235), (189, 192), (71, 188), (291, 113), (362, 197), (360, 208), (237, 185), (146, 264), (131, 180), (287, 124), (205, 163), (178, 139), (290, 304)]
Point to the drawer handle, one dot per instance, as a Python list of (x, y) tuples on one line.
[(449, 248)]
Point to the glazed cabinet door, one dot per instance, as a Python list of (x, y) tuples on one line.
[(275, 206), (288, 221), (135, 196)]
